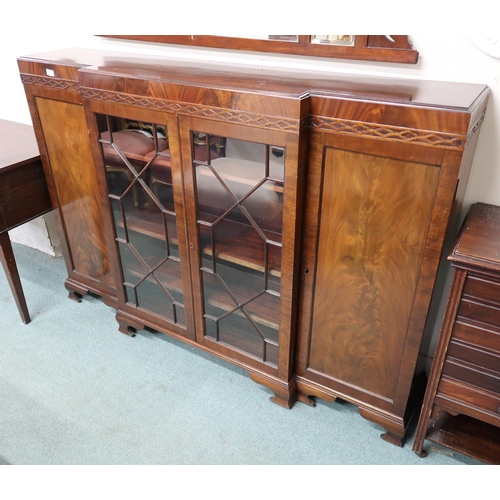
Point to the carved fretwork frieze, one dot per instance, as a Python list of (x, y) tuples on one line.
[(386, 132), (53, 83), (476, 126), (348, 127), (221, 114)]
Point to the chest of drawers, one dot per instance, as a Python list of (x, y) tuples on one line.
[(461, 408)]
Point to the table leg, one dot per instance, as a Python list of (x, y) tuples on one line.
[(10, 268)]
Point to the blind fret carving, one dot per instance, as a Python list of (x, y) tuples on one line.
[(54, 83), (374, 130), (226, 115)]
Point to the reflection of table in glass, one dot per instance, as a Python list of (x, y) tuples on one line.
[(23, 195)]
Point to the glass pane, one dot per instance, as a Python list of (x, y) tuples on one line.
[(239, 193), (218, 299), (236, 330), (137, 162), (118, 218), (333, 39), (133, 267), (157, 299), (284, 38)]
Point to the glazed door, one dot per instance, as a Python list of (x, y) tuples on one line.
[(139, 155), (241, 197)]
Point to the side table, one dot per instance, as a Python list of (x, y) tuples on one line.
[(461, 408), (23, 195)]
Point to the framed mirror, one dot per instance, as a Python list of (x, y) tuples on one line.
[(380, 48)]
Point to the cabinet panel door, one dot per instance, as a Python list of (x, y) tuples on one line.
[(375, 215), (145, 199), (237, 189), (66, 141)]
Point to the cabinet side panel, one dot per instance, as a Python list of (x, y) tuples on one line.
[(374, 222), (66, 138)]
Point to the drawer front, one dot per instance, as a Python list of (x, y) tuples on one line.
[(472, 374), (23, 194), (482, 290), (469, 400), (487, 338), (481, 313), (474, 356)]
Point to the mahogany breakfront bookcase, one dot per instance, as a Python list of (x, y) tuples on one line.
[(291, 224)]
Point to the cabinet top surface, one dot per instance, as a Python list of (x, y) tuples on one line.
[(478, 242), (288, 83), (17, 144)]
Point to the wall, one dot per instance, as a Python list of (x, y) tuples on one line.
[(449, 58), (442, 57)]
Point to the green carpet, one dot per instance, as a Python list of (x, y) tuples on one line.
[(75, 391)]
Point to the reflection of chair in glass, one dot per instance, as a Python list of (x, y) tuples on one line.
[(161, 175), (160, 169), (257, 190), (128, 150), (216, 144), (246, 180)]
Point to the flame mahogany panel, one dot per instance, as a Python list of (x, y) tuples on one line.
[(375, 214), (76, 187)]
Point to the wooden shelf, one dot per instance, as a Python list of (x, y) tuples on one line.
[(264, 315), (151, 225), (228, 249), (219, 300), (222, 169), (237, 338), (469, 436), (240, 243)]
